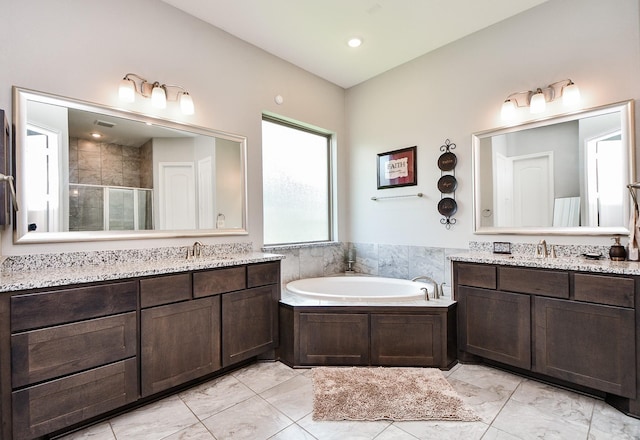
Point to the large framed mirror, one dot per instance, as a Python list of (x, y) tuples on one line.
[(90, 172), (565, 175)]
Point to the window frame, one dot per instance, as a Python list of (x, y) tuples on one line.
[(330, 138)]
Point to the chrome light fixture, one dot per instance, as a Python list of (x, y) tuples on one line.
[(133, 84), (537, 100)]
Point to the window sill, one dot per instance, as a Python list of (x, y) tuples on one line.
[(284, 247)]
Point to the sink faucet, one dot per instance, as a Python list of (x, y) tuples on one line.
[(436, 292), (541, 249), (196, 251)]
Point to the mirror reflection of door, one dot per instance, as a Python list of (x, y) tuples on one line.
[(524, 195), (605, 181), (44, 213), (177, 196)]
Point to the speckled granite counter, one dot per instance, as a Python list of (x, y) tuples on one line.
[(13, 280), (576, 263)]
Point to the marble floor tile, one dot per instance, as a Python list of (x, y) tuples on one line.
[(193, 432), (609, 423), (97, 432), (557, 402), (293, 432), (294, 398), (212, 397), (444, 430), (263, 375), (394, 433), (253, 419), (485, 401), (529, 422), (154, 421), (342, 430), (269, 400)]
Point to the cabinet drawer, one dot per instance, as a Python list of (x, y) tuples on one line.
[(54, 405), (602, 289), (534, 281), (165, 290), (477, 275), (56, 351), (62, 306), (262, 274), (213, 282)]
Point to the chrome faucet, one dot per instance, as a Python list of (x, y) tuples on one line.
[(436, 287), (541, 249), (196, 251)]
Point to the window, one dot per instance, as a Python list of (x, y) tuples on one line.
[(296, 177)]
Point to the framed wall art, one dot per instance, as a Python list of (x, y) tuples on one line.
[(397, 168)]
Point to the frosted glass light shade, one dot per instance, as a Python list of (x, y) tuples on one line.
[(127, 90), (538, 103), (158, 97), (571, 95), (186, 104), (508, 112)]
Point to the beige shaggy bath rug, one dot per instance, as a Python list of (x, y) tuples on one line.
[(381, 393)]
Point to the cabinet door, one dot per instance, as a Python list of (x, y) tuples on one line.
[(180, 342), (587, 344), (57, 404), (495, 325), (407, 340), (334, 339), (249, 323)]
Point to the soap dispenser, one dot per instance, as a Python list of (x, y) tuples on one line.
[(617, 252)]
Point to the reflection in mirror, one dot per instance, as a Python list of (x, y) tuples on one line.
[(86, 172), (563, 175)]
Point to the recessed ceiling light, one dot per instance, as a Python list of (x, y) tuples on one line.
[(96, 135), (354, 42)]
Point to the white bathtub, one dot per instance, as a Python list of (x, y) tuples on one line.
[(358, 288)]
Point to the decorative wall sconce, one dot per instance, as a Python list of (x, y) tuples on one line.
[(537, 100), (159, 93)]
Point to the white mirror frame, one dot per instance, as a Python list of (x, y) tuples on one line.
[(627, 118), (21, 235)]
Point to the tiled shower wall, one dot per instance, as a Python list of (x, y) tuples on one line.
[(103, 164), (394, 261)]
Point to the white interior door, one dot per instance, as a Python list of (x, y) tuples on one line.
[(533, 189), (177, 195)]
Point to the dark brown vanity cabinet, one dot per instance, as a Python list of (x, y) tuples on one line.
[(80, 352), (576, 327), (73, 355)]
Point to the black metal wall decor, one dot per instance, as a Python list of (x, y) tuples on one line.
[(447, 184)]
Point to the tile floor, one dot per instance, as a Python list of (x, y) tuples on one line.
[(272, 401)]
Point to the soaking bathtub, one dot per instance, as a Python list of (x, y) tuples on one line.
[(365, 320)]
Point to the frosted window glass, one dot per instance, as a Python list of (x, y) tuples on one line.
[(295, 173)]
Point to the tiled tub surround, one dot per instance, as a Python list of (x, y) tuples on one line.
[(393, 261)]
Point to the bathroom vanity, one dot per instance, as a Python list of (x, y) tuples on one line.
[(567, 321), (81, 349)]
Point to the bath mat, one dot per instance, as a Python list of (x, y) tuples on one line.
[(382, 393)]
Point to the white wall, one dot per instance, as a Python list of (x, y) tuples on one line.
[(82, 48), (458, 90)]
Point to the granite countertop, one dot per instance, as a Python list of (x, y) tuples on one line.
[(575, 263), (11, 281)]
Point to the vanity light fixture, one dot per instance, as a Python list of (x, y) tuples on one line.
[(159, 93), (537, 101)]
